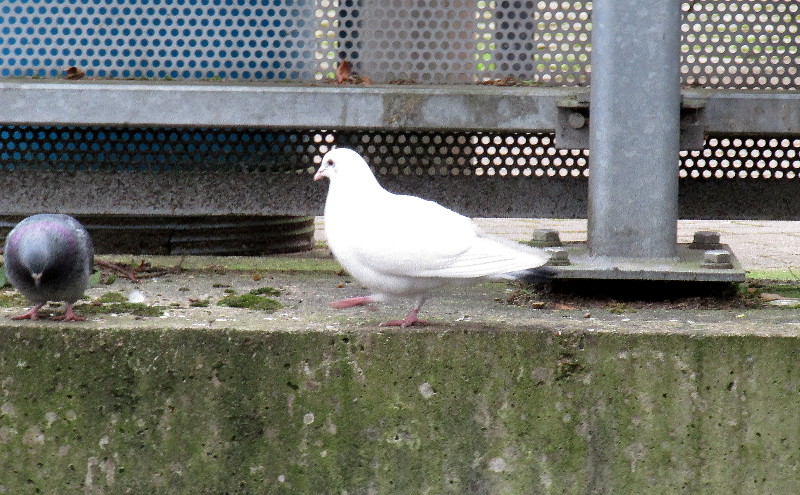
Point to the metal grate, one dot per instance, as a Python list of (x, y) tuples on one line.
[(726, 44), (743, 158), (483, 154), (406, 153), (159, 38), (156, 150), (751, 44)]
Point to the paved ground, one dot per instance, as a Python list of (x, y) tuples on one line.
[(758, 244)]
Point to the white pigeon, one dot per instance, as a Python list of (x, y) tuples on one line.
[(402, 246)]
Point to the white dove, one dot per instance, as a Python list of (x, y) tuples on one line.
[(402, 246)]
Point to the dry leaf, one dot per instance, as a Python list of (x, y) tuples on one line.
[(74, 73), (343, 71), (506, 81)]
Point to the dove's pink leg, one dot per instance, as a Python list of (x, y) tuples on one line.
[(410, 319), (33, 314), (351, 302), (69, 315)]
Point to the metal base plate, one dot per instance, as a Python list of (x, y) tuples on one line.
[(687, 267)]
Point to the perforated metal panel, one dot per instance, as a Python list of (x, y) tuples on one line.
[(155, 150), (548, 42), (186, 39), (453, 154), (743, 158), (407, 153), (752, 44), (726, 44), (533, 154)]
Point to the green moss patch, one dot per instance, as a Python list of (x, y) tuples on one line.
[(265, 291), (111, 297), (256, 299), (12, 298), (136, 309), (775, 274)]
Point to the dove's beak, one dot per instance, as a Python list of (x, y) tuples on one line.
[(318, 175), (37, 279)]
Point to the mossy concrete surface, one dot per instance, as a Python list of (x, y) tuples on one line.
[(489, 400), (457, 411)]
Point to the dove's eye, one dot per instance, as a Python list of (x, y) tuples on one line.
[(330, 163)]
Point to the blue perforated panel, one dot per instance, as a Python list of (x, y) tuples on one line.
[(190, 39), (155, 150)]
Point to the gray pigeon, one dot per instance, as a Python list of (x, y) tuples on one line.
[(49, 257)]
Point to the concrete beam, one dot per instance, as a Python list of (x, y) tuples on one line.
[(281, 106), (733, 112), (323, 106)]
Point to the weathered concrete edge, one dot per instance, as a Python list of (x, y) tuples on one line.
[(461, 410)]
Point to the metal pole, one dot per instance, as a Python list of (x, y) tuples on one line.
[(634, 132)]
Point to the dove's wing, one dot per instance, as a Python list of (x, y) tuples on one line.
[(411, 237)]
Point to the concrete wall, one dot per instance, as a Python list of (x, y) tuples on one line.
[(523, 411)]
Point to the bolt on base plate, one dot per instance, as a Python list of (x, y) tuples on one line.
[(691, 265)]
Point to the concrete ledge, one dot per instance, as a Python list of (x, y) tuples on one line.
[(492, 399)]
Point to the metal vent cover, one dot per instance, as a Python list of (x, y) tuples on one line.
[(192, 235)]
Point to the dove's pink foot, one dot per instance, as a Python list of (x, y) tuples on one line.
[(410, 320), (69, 315), (352, 302), (33, 314)]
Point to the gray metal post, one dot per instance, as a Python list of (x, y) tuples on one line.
[(635, 117)]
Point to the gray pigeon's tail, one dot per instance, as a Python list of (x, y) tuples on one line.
[(539, 275)]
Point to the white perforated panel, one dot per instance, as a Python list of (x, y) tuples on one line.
[(743, 158), (751, 44)]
